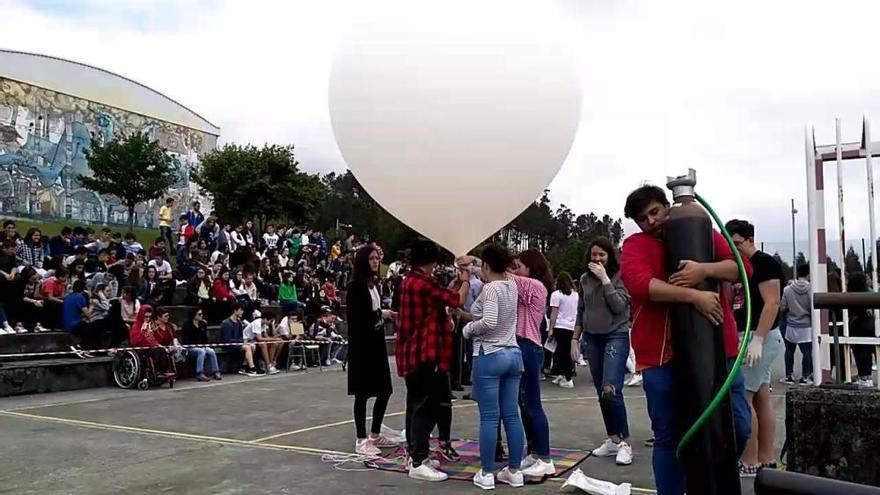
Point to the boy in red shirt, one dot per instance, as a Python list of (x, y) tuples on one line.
[(652, 290)]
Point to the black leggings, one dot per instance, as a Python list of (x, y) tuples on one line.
[(360, 414), (562, 363)]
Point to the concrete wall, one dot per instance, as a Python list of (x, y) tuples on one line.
[(43, 135)]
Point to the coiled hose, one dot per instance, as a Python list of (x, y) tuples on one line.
[(725, 388)]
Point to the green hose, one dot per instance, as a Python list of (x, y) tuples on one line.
[(720, 396)]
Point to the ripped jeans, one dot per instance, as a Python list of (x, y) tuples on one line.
[(607, 355)]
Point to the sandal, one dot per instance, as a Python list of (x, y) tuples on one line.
[(748, 471)]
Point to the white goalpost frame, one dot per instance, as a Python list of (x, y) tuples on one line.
[(816, 157)]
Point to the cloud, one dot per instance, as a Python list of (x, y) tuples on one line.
[(723, 88)]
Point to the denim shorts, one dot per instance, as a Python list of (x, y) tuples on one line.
[(759, 375)]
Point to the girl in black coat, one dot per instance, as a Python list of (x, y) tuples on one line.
[(369, 374)]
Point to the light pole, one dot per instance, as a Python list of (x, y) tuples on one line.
[(793, 242)]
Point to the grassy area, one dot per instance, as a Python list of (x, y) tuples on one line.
[(53, 227)]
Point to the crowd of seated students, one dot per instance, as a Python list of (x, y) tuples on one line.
[(98, 285)]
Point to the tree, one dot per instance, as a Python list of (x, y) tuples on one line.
[(851, 262), (801, 259), (260, 183), (787, 270), (131, 167)]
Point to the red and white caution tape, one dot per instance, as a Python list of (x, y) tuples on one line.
[(116, 350)]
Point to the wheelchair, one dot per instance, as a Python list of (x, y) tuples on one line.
[(138, 369)]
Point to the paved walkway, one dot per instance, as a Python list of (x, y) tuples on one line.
[(256, 435)]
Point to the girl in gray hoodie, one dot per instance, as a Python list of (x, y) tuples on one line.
[(603, 318), (797, 306)]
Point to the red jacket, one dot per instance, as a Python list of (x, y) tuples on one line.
[(221, 290), (643, 259)]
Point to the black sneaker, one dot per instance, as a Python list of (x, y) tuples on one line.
[(448, 452), (649, 442), (788, 380)]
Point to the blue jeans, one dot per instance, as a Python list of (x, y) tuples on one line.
[(660, 391), (607, 354), (200, 353), (534, 419), (496, 386)]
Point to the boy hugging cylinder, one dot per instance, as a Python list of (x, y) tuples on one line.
[(699, 359)]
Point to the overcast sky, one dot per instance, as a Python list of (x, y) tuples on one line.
[(725, 88)]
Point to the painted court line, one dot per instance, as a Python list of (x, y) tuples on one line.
[(210, 439), (172, 434)]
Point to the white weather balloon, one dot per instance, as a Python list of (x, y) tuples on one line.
[(455, 115)]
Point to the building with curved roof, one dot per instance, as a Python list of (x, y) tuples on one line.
[(52, 110)]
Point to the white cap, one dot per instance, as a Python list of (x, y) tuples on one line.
[(257, 314)]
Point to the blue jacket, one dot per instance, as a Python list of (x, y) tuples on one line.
[(231, 331)]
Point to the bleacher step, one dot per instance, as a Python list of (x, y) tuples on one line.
[(54, 375)]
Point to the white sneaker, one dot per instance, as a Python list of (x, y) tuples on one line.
[(558, 379), (624, 454), (4, 330), (39, 329), (634, 380), (273, 370), (865, 383), (607, 449), (539, 469), (484, 480), (514, 480), (382, 441), (566, 383), (528, 461), (19, 328), (366, 447), (336, 361), (434, 463), (426, 472), (582, 362)]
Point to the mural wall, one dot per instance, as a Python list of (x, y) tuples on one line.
[(43, 138)]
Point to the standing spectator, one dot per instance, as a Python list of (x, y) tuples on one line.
[(861, 324), (424, 354), (765, 288), (369, 374), (195, 333), (602, 321), (563, 313), (336, 250), (294, 244), (194, 216), (498, 367), (209, 230), (534, 280), (165, 220), (185, 232), (797, 306)]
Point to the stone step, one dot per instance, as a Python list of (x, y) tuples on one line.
[(54, 375), (35, 342)]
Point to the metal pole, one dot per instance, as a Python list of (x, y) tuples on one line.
[(815, 225), (793, 243), (871, 221), (840, 223)]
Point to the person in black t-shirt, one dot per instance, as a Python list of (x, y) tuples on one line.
[(765, 289)]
